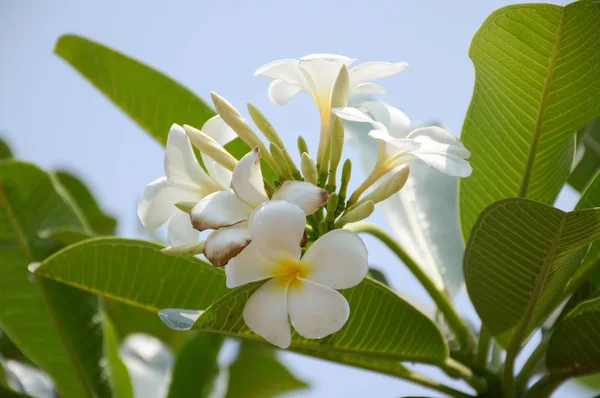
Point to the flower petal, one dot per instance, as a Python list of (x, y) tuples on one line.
[(442, 151), (180, 230), (157, 202), (395, 121), (374, 70), (249, 266), (446, 163), (434, 135), (355, 115), (320, 75), (219, 209), (247, 181), (368, 88), (337, 259), (305, 195), (225, 243), (276, 229), (315, 310), (216, 128), (401, 144), (265, 313), (329, 58), (181, 166), (283, 69), (280, 92)]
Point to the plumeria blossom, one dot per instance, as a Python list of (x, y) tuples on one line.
[(434, 145), (299, 288), (226, 212), (185, 181)]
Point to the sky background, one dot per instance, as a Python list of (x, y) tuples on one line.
[(53, 117)]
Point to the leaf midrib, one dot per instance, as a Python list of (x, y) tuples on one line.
[(539, 121)]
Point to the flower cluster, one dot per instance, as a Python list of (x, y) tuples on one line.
[(288, 231)]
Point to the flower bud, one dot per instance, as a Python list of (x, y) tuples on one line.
[(332, 205), (346, 174), (360, 212), (302, 147), (187, 249), (389, 186), (282, 169), (309, 170), (210, 147)]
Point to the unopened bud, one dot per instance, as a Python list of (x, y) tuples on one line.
[(185, 207), (210, 147), (346, 174), (302, 147), (389, 186), (187, 249), (332, 205), (283, 171), (309, 170), (360, 212)]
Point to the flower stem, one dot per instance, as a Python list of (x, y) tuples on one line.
[(377, 172), (483, 347), (545, 387), (441, 299), (455, 369), (527, 370)]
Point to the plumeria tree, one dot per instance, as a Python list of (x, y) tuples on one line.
[(264, 243)]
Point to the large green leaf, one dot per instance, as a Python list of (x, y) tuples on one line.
[(574, 347), (381, 324), (135, 272), (196, 367), (99, 222), (151, 99), (537, 81), (588, 148), (518, 260), (257, 373), (30, 203)]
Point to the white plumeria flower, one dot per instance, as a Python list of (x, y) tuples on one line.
[(434, 145), (300, 289), (316, 74), (226, 212), (185, 181)]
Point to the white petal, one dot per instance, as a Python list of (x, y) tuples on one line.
[(337, 259), (276, 229), (284, 69), (220, 131), (247, 181), (157, 202), (433, 135), (374, 70), (442, 151), (355, 115), (329, 57), (305, 195), (249, 266), (219, 209), (401, 144), (225, 243), (368, 88), (181, 166), (265, 313), (180, 229), (320, 75), (315, 310), (280, 92), (447, 164), (395, 121)]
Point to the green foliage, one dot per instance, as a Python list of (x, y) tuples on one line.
[(588, 139), (533, 62), (29, 203), (519, 258), (196, 367), (119, 375), (5, 151), (368, 332), (256, 373)]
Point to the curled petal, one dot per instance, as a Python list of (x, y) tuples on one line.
[(284, 69), (369, 88), (329, 57), (320, 75), (442, 151), (216, 128), (434, 135), (315, 310), (280, 92), (337, 259), (395, 121), (276, 229), (305, 195), (355, 115), (247, 180), (181, 166), (157, 202), (446, 163), (249, 266), (225, 243), (219, 209), (401, 144), (180, 230), (374, 70), (265, 312)]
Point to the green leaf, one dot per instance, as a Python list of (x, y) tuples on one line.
[(537, 81), (135, 272), (377, 327), (100, 223), (196, 367), (257, 373), (574, 347), (30, 203), (588, 139), (152, 99), (378, 275), (119, 375), (5, 151), (518, 260), (64, 236)]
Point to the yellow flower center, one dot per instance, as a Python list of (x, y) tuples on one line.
[(290, 270)]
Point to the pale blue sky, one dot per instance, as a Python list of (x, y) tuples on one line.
[(51, 116)]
